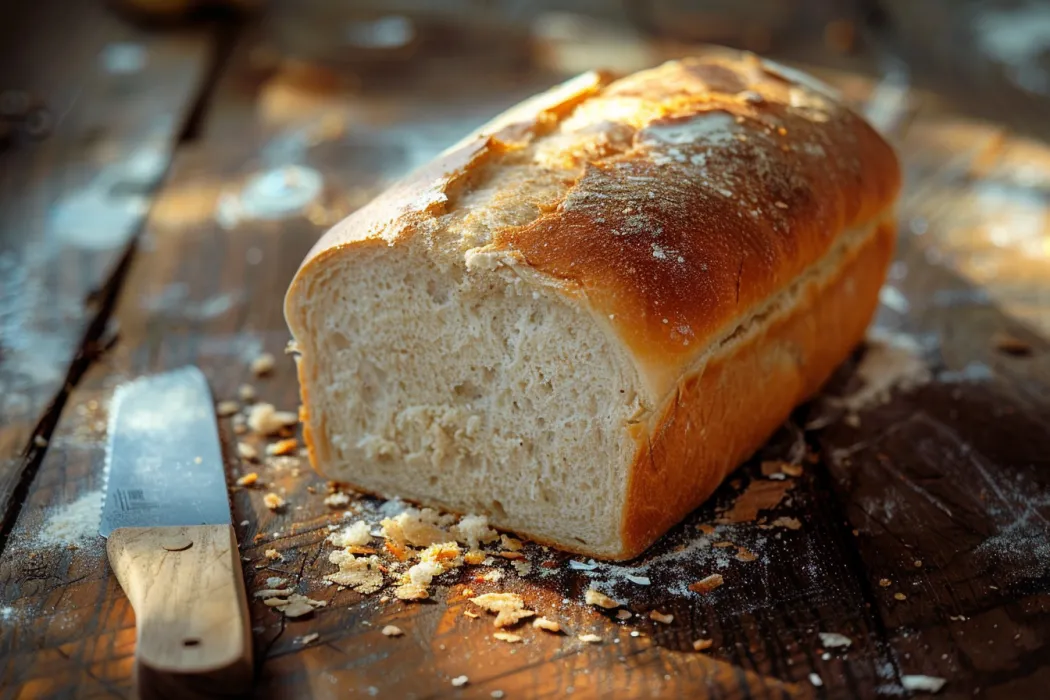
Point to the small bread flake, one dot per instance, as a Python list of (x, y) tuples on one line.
[(474, 558), (283, 447), (246, 451), (248, 479), (240, 424), (473, 531), (510, 543), (702, 644), (593, 597), (471, 615), (523, 568), (492, 575), (411, 591), (509, 607), (927, 684), (263, 364), (744, 554), (246, 393), (337, 500), (508, 637), (816, 680), (834, 640), (789, 523), (306, 639), (297, 605), (900, 596), (40, 441), (512, 555), (723, 544), (272, 554), (362, 574), (545, 624), (225, 409), (264, 419), (356, 535), (460, 681), (623, 614), (707, 584), (590, 639), (662, 618), (791, 469), (392, 631), (273, 593), (273, 501)]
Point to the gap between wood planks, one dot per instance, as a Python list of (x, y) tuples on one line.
[(99, 334)]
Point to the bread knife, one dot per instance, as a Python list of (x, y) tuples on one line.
[(170, 542)]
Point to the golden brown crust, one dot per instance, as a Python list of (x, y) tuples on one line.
[(720, 417), (735, 181)]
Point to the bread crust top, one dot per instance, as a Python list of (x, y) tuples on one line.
[(682, 197)]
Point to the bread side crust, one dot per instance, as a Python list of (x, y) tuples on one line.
[(719, 416)]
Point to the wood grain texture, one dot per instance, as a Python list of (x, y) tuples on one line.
[(192, 636), (71, 203), (903, 484)]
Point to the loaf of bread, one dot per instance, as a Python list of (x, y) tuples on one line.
[(581, 318)]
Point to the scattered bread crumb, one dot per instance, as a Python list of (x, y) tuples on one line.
[(507, 637), (392, 631), (362, 574), (623, 614), (744, 554), (468, 613), (496, 694), (545, 624), (590, 638), (249, 479), (337, 500), (240, 424), (283, 447), (509, 607), (928, 684), (473, 531), (816, 680), (272, 554), (246, 393), (225, 409), (706, 529), (263, 364), (834, 640), (264, 419), (474, 558), (900, 596), (40, 441), (1011, 345), (791, 469), (297, 605), (510, 543), (273, 501), (492, 575), (885, 582), (722, 545), (662, 618), (789, 523), (512, 555), (247, 452), (411, 591), (524, 568), (356, 535), (306, 639), (702, 644), (460, 681), (593, 597), (708, 584)]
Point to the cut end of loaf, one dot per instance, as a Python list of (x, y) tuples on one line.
[(467, 389)]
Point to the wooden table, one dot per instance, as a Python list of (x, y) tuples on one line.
[(922, 520)]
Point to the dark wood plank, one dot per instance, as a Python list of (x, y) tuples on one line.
[(208, 291), (71, 203)]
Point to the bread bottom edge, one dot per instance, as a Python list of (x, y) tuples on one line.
[(721, 414)]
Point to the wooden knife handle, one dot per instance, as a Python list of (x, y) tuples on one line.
[(191, 612)]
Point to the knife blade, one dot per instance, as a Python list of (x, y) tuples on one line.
[(166, 517)]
